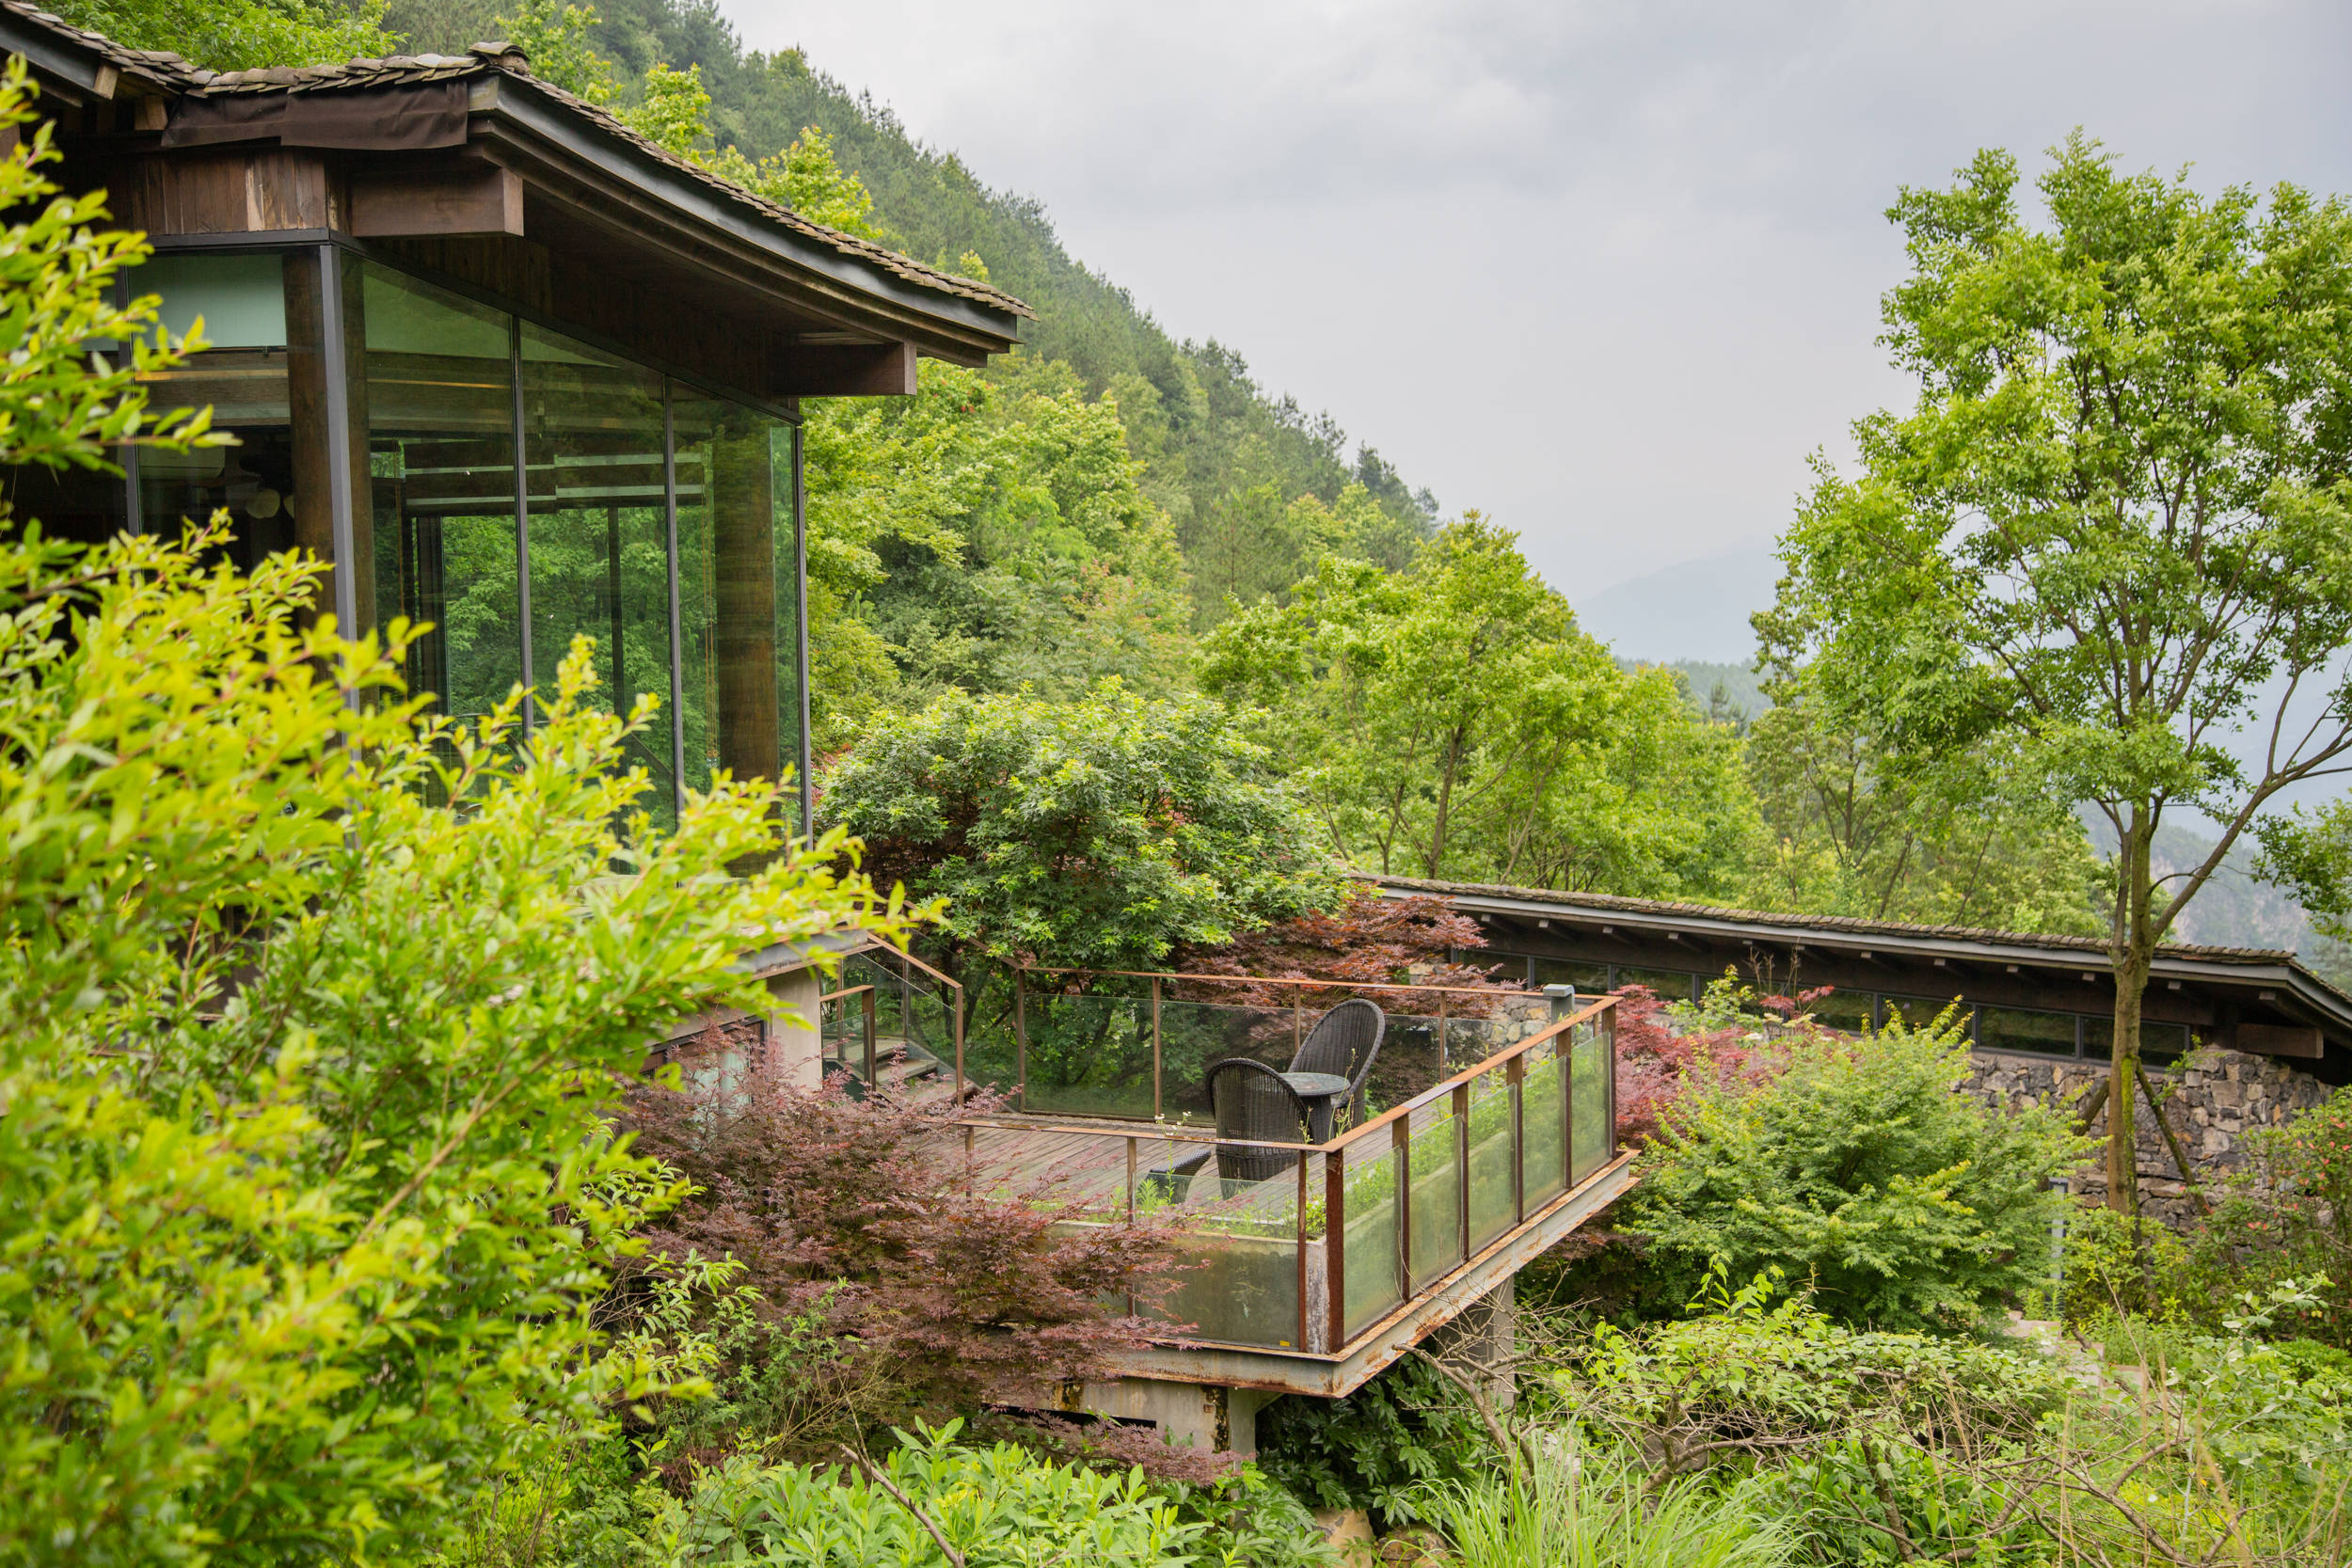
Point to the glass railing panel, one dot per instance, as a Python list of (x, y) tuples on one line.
[(1239, 1253), (1195, 1033), (1088, 1055), (1492, 1210), (1589, 1116), (1544, 1121), (1437, 1197), (1369, 1263), (991, 1041)]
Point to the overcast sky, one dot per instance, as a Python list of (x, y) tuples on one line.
[(1609, 272)]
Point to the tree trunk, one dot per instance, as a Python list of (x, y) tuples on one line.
[(2130, 951)]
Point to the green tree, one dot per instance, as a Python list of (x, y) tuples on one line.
[(1850, 832), (1863, 1170), (1450, 720), (2110, 535), (984, 536), (1097, 833), (241, 34), (306, 1183)]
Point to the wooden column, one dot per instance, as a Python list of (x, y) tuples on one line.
[(742, 537), (331, 510)]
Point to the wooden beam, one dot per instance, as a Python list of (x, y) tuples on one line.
[(2278, 1039), (465, 200), (845, 371)]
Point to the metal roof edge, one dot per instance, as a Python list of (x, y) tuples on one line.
[(2245, 966)]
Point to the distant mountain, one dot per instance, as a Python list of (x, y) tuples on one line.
[(1694, 612)]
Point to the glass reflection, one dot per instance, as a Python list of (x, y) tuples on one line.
[(440, 411), (599, 535), (737, 598)]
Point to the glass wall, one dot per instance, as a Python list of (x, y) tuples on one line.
[(738, 591), (440, 419), (244, 305), (598, 538), (514, 487)]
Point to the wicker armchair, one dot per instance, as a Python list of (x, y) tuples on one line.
[(1252, 1103), (1343, 1042)]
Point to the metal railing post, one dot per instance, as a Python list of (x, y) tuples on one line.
[(1158, 1102), (1020, 1040), (1335, 1245), (867, 1009), (1514, 1077), (1441, 1040), (1401, 1140), (1609, 1036), (1461, 1167), (1302, 1250)]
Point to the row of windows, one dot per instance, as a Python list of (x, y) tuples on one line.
[(2088, 1036)]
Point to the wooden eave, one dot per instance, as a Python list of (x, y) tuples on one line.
[(613, 185)]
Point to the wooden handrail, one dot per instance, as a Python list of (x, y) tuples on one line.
[(839, 996)]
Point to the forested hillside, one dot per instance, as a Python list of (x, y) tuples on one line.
[(1110, 504), (1228, 462)]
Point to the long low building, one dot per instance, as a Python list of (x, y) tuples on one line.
[(2051, 996)]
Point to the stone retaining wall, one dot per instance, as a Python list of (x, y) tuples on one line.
[(2212, 1099)]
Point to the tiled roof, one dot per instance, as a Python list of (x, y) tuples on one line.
[(1842, 924), (169, 70)]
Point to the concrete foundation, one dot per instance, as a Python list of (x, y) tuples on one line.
[(1188, 1414), (794, 1048)]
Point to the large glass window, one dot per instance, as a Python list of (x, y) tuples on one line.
[(738, 592), (2016, 1029), (260, 311), (440, 421), (593, 445), (656, 520), (2160, 1044)]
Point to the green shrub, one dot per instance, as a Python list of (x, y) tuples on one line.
[(1750, 1376), (1861, 1170), (307, 1186), (1594, 1509), (2288, 1216), (1000, 1507), (1375, 1448)]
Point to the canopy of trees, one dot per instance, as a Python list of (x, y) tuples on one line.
[(2111, 533)]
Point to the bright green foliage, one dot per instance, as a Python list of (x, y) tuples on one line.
[(983, 535), (1092, 833), (553, 36), (2112, 528), (1597, 1509), (999, 1507), (1746, 1363), (2288, 1215), (60, 406), (1450, 720), (305, 1191), (240, 35), (1850, 830), (806, 177), (671, 111), (1863, 1171), (1379, 1448)]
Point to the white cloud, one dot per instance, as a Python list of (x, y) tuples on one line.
[(1607, 270)]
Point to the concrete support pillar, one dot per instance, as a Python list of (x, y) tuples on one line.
[(1484, 1342), (1189, 1415), (794, 1050)]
